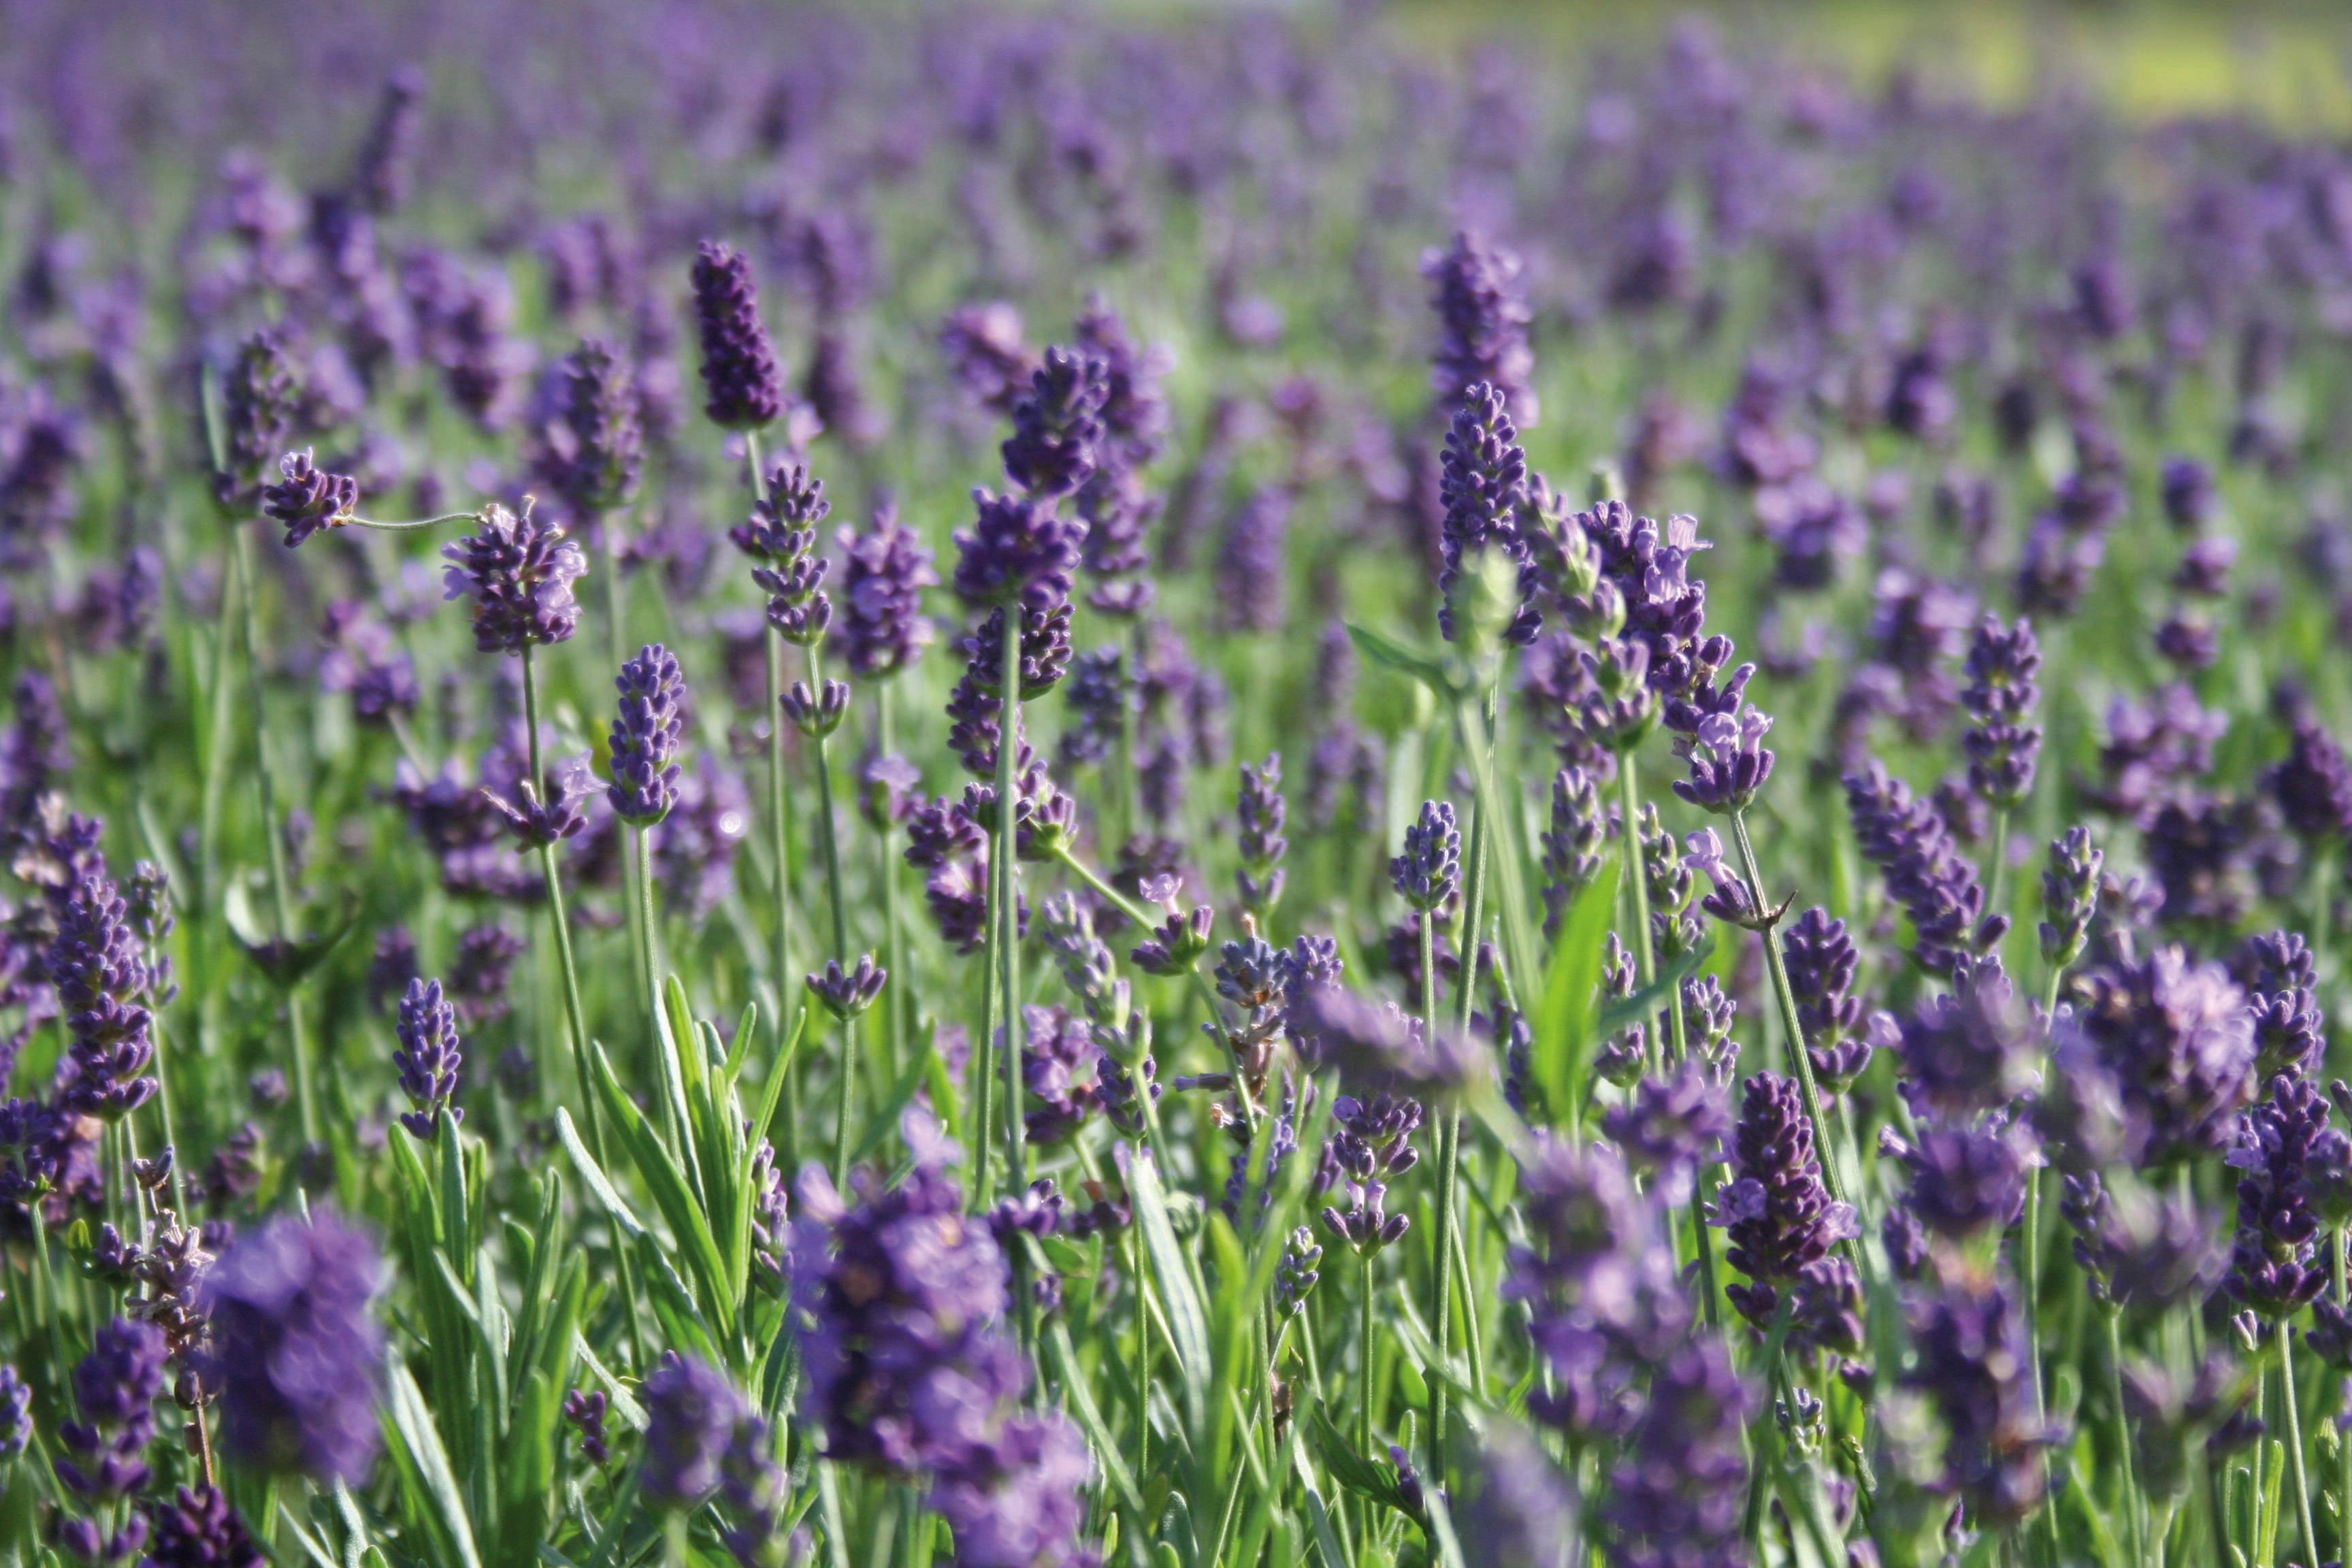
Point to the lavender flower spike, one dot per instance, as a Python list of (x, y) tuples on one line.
[(691, 1413), (847, 994), (1778, 1213), (295, 1353), (428, 1058), (518, 570), (646, 731), (1429, 873), (738, 368), (885, 570)]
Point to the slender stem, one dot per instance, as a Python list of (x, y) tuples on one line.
[(2295, 1442), (780, 835), (2132, 1521), (1997, 849), (1133, 912), (1629, 831), (824, 833), (893, 1017), (381, 527), (163, 1105), (2030, 1247), (2343, 1242), (1008, 911), (572, 1011), (649, 976), (282, 897), (1364, 1355)]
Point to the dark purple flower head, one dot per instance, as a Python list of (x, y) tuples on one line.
[(598, 449), (647, 730), (1483, 489), (296, 1353), (1429, 873), (551, 810), (16, 1413), (1971, 1051), (1964, 1180), (1973, 1365), (479, 974), (2174, 1035), (1571, 842), (518, 570), (1257, 836), (1675, 1495), (2002, 747), (1377, 1046), (258, 405), (2313, 787), (2145, 1253), (1821, 961), (781, 538), (848, 993), (428, 1058), (1671, 1131), (307, 499), (1057, 427), (1366, 1228), (1728, 761), (115, 1388), (885, 569), (691, 1413), (1925, 872), (1482, 315), (585, 1412), (198, 1528), (1777, 1211), (1019, 548), (2290, 1030), (2273, 1265), (2189, 493), (738, 368)]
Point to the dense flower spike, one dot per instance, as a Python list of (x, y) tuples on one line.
[(745, 389), (428, 1058), (1259, 815), (1058, 425), (100, 973), (1483, 317), (648, 728), (518, 570), (1483, 491), (596, 461), (691, 1413), (2003, 748), (2176, 1036), (1925, 872), (296, 1353), (781, 538), (1974, 1368), (2273, 1269), (1777, 1212), (1428, 874), (1017, 548), (885, 569), (1823, 960), (198, 1528)]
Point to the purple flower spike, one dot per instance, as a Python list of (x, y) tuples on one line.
[(816, 713), (1728, 762), (646, 731), (1778, 1212), (780, 536), (307, 500), (586, 1412), (295, 1353), (2313, 787), (100, 970), (1482, 314), (1973, 1365), (1367, 1227), (2274, 1264), (885, 570), (845, 995), (1676, 1497), (1925, 871), (1483, 489), (1969, 1052), (1429, 873), (1175, 942), (16, 1413), (1018, 547), (691, 1413), (600, 451), (2003, 748), (2176, 1036), (1258, 817), (2069, 896), (198, 1528), (738, 368), (115, 1388), (1057, 427), (428, 1058), (518, 570), (257, 397)]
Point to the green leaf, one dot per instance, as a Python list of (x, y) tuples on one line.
[(1351, 1469), (424, 1465), (1388, 654), (1564, 1027), (593, 1175), (1187, 1330), (1627, 1011), (1327, 1540), (690, 1225), (284, 959), (1090, 1421)]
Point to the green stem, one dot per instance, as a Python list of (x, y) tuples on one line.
[(1364, 1355), (282, 897), (2344, 1449), (780, 836), (1134, 912), (1629, 830), (574, 1014), (825, 832), (2131, 1499), (2030, 1247), (1008, 910), (2295, 1442), (1997, 849), (893, 1018)]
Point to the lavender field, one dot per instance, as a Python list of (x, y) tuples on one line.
[(1022, 787)]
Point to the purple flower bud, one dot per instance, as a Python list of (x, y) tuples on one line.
[(307, 499), (1175, 942), (2273, 1265), (1258, 820), (16, 1413), (1777, 1212), (1728, 762), (646, 729), (518, 571), (819, 713), (198, 1528), (586, 1412), (552, 813), (428, 1058), (738, 369), (2069, 896), (1572, 842), (1429, 873), (1017, 548), (115, 1388), (1057, 425), (848, 995), (596, 466), (1483, 317)]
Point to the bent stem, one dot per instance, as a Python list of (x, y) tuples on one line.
[(1791, 1025)]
